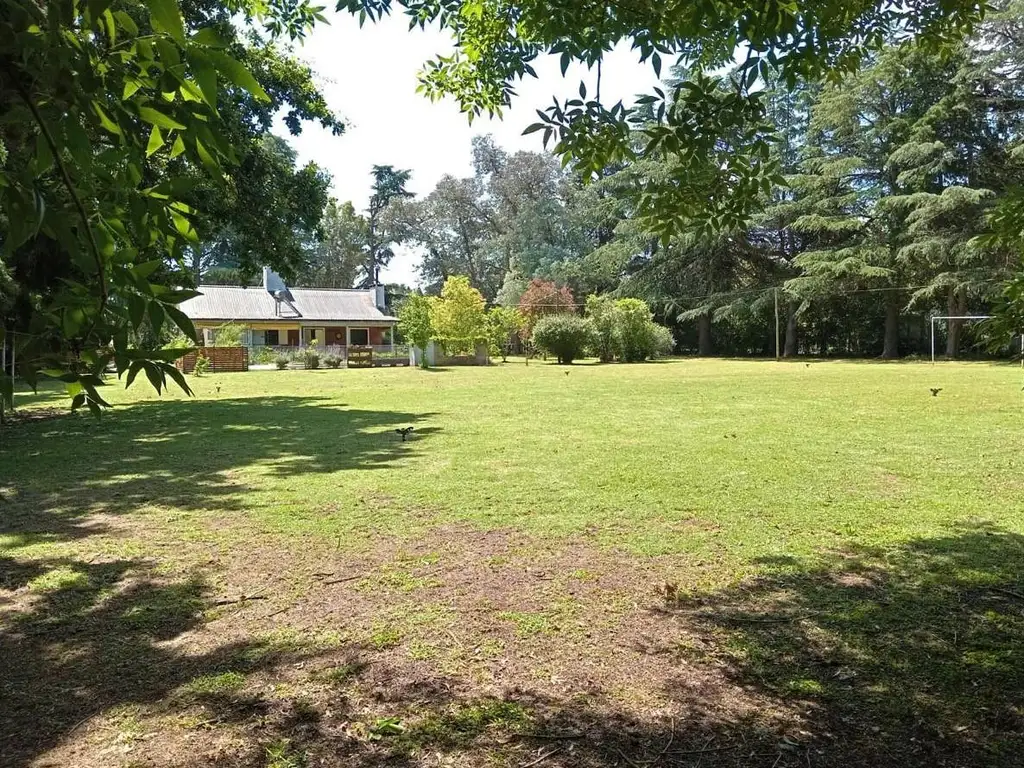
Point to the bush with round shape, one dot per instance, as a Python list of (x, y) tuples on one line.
[(282, 362), (332, 361), (566, 337), (311, 358), (604, 316), (664, 342), (636, 334)]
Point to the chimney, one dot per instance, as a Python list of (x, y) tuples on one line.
[(379, 298), (266, 279)]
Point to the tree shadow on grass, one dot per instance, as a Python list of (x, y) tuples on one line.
[(900, 657), (895, 658), (91, 639), (181, 453)]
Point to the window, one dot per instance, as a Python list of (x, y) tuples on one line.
[(273, 339), (359, 337)]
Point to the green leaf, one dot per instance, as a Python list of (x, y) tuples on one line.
[(127, 23), (175, 374), (209, 37), (183, 321), (147, 268), (130, 87), (208, 160), (178, 147), (156, 316), (234, 71), (166, 17), (136, 309), (206, 78), (156, 140), (105, 120), (154, 375), (133, 371), (158, 118)]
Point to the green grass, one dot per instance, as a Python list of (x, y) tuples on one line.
[(728, 460), (829, 537)]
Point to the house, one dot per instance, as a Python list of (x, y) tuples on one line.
[(275, 315)]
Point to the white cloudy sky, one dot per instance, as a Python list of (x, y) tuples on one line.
[(368, 76)]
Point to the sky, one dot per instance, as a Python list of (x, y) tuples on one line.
[(368, 77)]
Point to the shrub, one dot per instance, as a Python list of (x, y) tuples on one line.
[(311, 358), (605, 318), (567, 337), (664, 342), (264, 355), (502, 324), (332, 361), (636, 330), (229, 335), (544, 298), (282, 362), (458, 316), (202, 365), (414, 322)]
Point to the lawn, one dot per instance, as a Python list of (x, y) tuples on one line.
[(723, 563)]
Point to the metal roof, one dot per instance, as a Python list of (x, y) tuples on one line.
[(231, 302)]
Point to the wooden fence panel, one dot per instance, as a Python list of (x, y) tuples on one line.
[(222, 359)]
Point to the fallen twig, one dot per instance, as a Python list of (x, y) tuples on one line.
[(341, 581), (780, 620), (631, 762), (671, 738), (551, 736), (242, 599), (542, 758), (706, 750), (1007, 592)]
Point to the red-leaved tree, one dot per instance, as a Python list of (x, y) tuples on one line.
[(541, 298)]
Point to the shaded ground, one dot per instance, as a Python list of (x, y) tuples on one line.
[(489, 648)]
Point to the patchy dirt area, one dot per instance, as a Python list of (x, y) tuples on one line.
[(134, 646)]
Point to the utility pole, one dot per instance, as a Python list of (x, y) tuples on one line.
[(778, 356)]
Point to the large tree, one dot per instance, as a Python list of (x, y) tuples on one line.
[(117, 117), (335, 261), (385, 224), (497, 41)]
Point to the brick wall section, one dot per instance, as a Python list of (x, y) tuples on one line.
[(222, 359)]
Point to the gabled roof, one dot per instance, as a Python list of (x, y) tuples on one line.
[(231, 302)]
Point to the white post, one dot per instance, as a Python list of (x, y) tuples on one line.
[(777, 355), (391, 335), (933, 341)]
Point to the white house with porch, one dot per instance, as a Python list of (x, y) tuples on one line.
[(274, 315)]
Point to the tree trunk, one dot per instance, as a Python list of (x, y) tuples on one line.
[(954, 307), (891, 344), (789, 348), (704, 346)]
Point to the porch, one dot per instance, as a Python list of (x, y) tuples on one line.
[(382, 354)]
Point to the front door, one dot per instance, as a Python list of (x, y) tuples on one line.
[(293, 337)]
